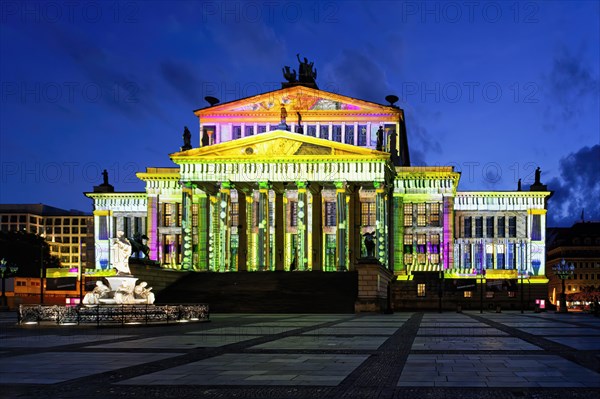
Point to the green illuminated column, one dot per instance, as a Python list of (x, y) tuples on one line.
[(203, 230), (263, 242), (302, 228), (317, 227), (380, 223), (186, 226), (398, 235), (354, 242), (152, 229), (242, 233), (224, 209), (342, 231), (279, 230), (214, 239)]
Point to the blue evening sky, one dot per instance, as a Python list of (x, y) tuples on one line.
[(494, 88)]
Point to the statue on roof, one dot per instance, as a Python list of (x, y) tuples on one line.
[(305, 71), (538, 174), (379, 144), (105, 178), (187, 139), (288, 75), (299, 127)]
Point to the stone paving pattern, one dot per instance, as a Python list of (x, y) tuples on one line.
[(402, 355)]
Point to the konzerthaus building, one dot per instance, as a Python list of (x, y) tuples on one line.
[(302, 179)]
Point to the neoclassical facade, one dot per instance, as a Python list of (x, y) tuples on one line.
[(300, 179)]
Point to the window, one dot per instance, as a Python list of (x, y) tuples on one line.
[(330, 216), (261, 128), (467, 256), (236, 133), (489, 256), (501, 227), (248, 130), (536, 228), (103, 228), (349, 138), (408, 215), (500, 256), (468, 294), (421, 215), (512, 226), (434, 215), (293, 213), (324, 132), (167, 209), (408, 259), (234, 221), (489, 227), (179, 213), (408, 245), (421, 290), (421, 248), (311, 130), (512, 294), (467, 233), (367, 213), (479, 227), (362, 135), (510, 256), (489, 294), (336, 133)]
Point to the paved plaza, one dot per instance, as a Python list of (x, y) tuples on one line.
[(403, 355)]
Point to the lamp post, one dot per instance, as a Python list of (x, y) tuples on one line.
[(481, 273), (563, 271), (4, 271), (43, 236)]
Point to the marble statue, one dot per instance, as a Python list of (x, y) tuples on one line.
[(100, 291), (120, 253), (141, 292), (124, 294)]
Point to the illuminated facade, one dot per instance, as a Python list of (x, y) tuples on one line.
[(578, 245), (294, 179), (68, 233)]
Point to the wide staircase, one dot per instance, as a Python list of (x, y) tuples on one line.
[(265, 292)]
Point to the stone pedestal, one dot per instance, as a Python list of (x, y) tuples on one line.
[(373, 282)]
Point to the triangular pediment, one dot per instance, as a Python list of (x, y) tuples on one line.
[(277, 145), (296, 99)]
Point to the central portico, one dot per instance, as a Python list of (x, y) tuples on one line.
[(281, 201)]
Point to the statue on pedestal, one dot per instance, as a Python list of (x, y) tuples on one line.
[(369, 244), (121, 251)]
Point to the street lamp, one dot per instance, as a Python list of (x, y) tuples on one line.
[(481, 275), (42, 271), (4, 271), (563, 271)]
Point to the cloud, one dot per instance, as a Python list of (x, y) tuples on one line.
[(123, 89), (568, 86), (358, 74), (181, 78), (577, 188)]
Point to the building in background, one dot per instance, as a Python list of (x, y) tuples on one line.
[(308, 180), (578, 245), (64, 230), (70, 236)]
